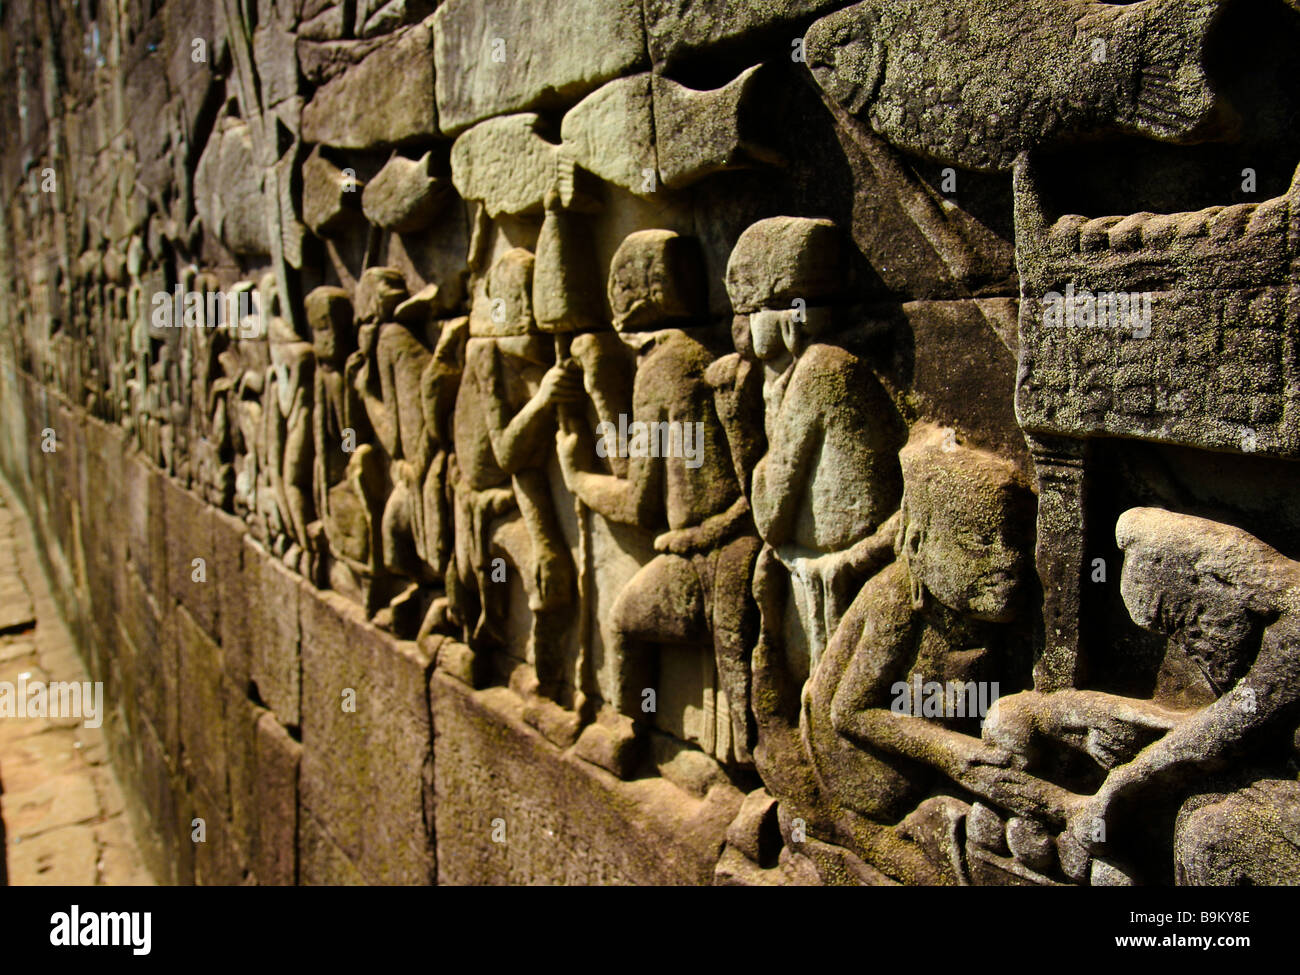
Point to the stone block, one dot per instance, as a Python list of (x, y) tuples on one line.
[(235, 609), (218, 860), (385, 99), (404, 196), (322, 863), (329, 196), (202, 709), (365, 772), (275, 664), (505, 163), (958, 370), (190, 537), (275, 844), (154, 682), (240, 731), (611, 133), (499, 56), (492, 772)]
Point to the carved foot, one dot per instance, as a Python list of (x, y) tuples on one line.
[(611, 743)]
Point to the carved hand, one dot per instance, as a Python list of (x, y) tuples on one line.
[(566, 449), (1090, 821), (561, 384)]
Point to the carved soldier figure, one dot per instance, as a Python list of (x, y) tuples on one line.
[(828, 479), (830, 476), (288, 414), (344, 468), (505, 423), (696, 589), (392, 362), (383, 379)]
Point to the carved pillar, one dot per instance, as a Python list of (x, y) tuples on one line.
[(1060, 554)]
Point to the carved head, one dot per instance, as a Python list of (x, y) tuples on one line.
[(1208, 586), (329, 313), (966, 517), (782, 273), (379, 292), (781, 260), (655, 280), (509, 298)]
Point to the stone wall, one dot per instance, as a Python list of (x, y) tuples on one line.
[(571, 440), (307, 792)]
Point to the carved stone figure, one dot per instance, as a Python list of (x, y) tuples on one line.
[(288, 411), (505, 422), (1226, 601), (830, 476), (683, 487), (339, 431), (753, 400), (383, 377), (966, 96), (939, 615)]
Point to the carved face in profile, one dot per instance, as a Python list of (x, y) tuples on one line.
[(779, 273), (1203, 584), (964, 534), (379, 292), (766, 335), (329, 313)]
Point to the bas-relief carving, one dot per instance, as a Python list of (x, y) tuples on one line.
[(692, 592), (438, 445)]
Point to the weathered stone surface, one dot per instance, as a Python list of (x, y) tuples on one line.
[(497, 56), (321, 59), (382, 16), (330, 197), (321, 862), (155, 677), (404, 196), (275, 664), (808, 437), (228, 191), (386, 99), (366, 743), (202, 709), (956, 366), (611, 133), (879, 58), (236, 612), (275, 846), (60, 857), (506, 164), (678, 30), (277, 63), (240, 742), (218, 860), (192, 568), (703, 132), (625, 839), (324, 22)]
